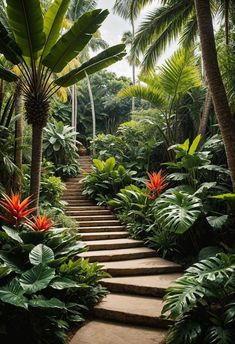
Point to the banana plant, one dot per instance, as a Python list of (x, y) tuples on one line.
[(35, 42)]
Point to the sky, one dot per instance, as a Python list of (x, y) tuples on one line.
[(112, 30)]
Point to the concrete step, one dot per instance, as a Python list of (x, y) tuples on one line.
[(112, 244), (99, 223), (153, 285), (101, 332), (148, 266), (73, 197), (129, 309), (83, 212), (101, 229), (103, 236), (119, 254), (82, 218)]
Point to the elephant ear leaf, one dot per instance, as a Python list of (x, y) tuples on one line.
[(26, 20), (41, 254), (53, 22), (103, 60), (7, 75), (8, 46), (74, 40)]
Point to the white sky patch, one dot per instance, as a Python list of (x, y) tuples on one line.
[(114, 27)]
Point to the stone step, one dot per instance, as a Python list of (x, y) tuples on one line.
[(86, 218), (129, 309), (101, 332), (101, 229), (103, 236), (112, 244), (153, 285), (147, 266), (119, 254), (99, 223), (74, 197), (87, 212), (80, 203), (84, 208)]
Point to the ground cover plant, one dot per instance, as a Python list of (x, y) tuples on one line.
[(45, 288)]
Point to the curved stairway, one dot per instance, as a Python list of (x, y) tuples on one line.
[(130, 313)]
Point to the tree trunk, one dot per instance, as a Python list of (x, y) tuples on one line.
[(226, 19), (215, 82), (205, 115), (18, 137), (36, 162), (74, 111), (92, 110), (133, 65)]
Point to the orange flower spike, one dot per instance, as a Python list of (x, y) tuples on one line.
[(41, 223), (15, 211), (156, 184)]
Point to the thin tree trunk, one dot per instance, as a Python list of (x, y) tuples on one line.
[(133, 65), (18, 136), (92, 109), (205, 115), (74, 110), (36, 162), (215, 82), (226, 19)]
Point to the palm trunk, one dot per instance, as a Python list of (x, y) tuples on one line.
[(226, 19), (92, 109), (205, 115), (36, 162), (215, 82), (18, 136), (74, 110), (133, 66)]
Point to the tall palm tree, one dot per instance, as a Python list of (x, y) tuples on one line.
[(225, 118), (129, 9), (33, 41)]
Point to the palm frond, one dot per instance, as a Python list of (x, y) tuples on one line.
[(130, 9), (147, 93)]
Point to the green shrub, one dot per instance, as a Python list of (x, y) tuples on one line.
[(45, 287), (60, 147), (106, 179), (51, 192), (202, 303)]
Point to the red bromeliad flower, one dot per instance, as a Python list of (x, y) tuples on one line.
[(155, 184), (15, 212), (41, 223)]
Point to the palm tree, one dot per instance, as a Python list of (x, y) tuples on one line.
[(129, 9), (34, 43), (164, 89), (225, 119)]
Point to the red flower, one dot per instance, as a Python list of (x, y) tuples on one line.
[(155, 184), (41, 223), (15, 212)]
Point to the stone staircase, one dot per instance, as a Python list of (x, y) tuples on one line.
[(130, 313)]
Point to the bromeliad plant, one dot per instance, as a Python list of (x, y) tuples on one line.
[(156, 184), (45, 287), (35, 42)]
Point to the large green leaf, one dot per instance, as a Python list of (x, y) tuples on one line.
[(8, 46), (26, 21), (63, 283), (13, 294), (12, 233), (7, 75), (95, 64), (44, 303), (53, 22), (37, 278), (41, 254), (150, 94), (75, 40), (178, 211)]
